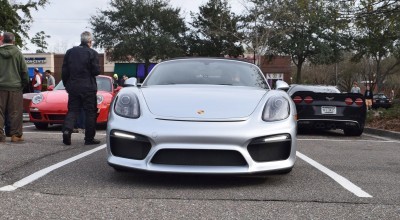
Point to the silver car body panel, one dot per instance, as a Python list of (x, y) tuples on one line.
[(234, 134), (239, 101), (212, 117)]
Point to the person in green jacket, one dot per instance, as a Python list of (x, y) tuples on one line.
[(13, 78)]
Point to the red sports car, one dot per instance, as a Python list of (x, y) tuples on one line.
[(51, 107)]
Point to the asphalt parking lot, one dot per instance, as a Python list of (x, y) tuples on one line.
[(335, 177)]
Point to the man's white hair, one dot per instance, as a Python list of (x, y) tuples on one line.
[(86, 37)]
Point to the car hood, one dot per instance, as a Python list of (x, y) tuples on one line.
[(61, 96), (57, 96), (205, 102)]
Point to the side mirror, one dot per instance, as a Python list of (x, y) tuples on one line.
[(130, 82), (282, 85)]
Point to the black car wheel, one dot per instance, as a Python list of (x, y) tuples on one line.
[(41, 126), (353, 131)]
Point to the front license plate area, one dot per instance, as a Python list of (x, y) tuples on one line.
[(328, 110)]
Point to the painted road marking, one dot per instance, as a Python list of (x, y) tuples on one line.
[(338, 178), (45, 171), (339, 140), (28, 126)]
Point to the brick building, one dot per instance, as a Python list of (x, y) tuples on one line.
[(274, 67)]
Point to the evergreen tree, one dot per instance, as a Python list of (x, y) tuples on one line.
[(16, 17), (139, 29), (215, 31), (40, 41)]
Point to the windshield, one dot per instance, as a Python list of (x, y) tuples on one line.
[(208, 72), (103, 84), (311, 88)]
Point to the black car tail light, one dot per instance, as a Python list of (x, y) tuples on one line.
[(348, 101), (308, 99), (297, 99), (359, 102)]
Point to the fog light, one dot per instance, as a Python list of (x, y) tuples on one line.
[(34, 109), (124, 135), (276, 138)]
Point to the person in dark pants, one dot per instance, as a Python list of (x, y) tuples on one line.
[(79, 71), (13, 78)]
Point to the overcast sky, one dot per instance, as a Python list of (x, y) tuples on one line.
[(65, 20)]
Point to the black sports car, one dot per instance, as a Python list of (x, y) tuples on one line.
[(381, 101), (325, 107)]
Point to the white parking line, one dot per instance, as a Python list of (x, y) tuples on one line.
[(341, 140), (28, 126), (338, 178), (43, 172), (29, 179)]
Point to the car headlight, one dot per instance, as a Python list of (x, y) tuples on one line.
[(100, 99), (127, 105), (277, 108), (37, 98)]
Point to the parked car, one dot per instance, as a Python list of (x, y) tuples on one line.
[(380, 100), (51, 107), (202, 115), (325, 108)]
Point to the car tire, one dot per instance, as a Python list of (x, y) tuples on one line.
[(353, 131), (41, 126)]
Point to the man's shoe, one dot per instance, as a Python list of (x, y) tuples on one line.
[(92, 142), (15, 138), (67, 137)]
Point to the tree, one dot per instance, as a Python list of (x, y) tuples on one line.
[(40, 41), (215, 31), (381, 7), (378, 38), (142, 29), (16, 17), (307, 30), (258, 23)]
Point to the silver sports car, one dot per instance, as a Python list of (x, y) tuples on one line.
[(203, 115)]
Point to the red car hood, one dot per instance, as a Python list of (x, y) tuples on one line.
[(60, 96)]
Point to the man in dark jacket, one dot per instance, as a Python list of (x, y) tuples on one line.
[(79, 71), (13, 78)]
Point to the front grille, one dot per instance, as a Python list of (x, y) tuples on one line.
[(56, 117), (198, 157), (136, 149), (266, 151), (36, 115)]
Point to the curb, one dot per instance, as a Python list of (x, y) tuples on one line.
[(383, 133)]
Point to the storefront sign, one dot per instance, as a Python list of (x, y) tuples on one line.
[(35, 60)]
